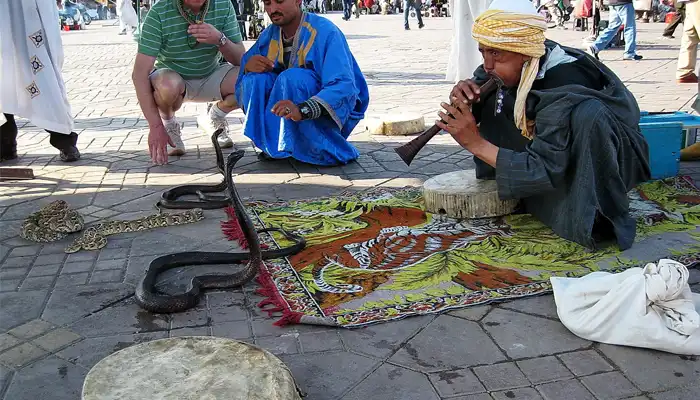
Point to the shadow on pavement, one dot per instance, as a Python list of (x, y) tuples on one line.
[(125, 179), (360, 37)]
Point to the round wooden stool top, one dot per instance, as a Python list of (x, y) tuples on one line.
[(190, 368), (460, 195), (396, 125)]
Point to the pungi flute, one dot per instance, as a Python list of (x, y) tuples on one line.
[(408, 151)]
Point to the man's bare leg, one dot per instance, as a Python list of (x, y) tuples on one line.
[(228, 92), (169, 93)]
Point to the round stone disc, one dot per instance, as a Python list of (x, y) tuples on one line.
[(460, 195), (190, 368)]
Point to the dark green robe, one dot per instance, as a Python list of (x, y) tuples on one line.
[(587, 154)]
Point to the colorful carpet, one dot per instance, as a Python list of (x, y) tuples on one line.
[(377, 256)]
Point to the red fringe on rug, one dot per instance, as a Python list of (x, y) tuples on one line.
[(232, 230), (273, 298)]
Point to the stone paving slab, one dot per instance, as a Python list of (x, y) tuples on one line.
[(60, 314)]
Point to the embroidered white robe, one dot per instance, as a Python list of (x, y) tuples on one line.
[(31, 83), (464, 54)]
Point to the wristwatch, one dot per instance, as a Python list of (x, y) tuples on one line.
[(222, 40), (310, 109), (305, 111)]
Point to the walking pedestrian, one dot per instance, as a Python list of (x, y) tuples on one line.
[(675, 21), (687, 58), (416, 5), (347, 9), (621, 13), (127, 16)]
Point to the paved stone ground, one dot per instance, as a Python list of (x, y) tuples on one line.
[(62, 313)]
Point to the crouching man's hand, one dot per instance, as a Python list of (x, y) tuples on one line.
[(204, 33), (287, 109), (259, 64)]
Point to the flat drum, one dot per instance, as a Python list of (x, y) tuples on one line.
[(460, 195), (190, 368)]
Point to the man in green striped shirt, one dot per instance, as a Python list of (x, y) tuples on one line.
[(183, 40)]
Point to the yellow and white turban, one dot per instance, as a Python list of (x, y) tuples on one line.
[(515, 26)]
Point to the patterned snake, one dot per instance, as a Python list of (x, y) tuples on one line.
[(95, 237), (145, 293), (52, 222), (56, 220)]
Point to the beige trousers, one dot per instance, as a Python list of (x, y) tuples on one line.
[(689, 43)]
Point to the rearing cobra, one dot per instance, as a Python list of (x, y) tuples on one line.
[(149, 299)]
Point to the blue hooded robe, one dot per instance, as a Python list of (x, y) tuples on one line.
[(321, 67)]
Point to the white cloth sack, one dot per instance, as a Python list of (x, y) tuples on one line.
[(31, 84), (651, 307), (464, 53)]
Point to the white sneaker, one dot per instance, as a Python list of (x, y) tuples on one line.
[(173, 131), (211, 125)]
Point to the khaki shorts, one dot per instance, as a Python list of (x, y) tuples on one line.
[(207, 89)]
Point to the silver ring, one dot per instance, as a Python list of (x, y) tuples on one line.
[(287, 111)]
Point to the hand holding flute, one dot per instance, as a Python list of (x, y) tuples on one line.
[(459, 122), (462, 96), (468, 91)]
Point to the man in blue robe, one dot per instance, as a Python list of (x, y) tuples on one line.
[(301, 88)]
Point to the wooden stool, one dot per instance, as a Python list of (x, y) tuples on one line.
[(396, 125), (190, 368), (460, 195)]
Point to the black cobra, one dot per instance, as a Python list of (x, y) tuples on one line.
[(149, 299), (170, 198)]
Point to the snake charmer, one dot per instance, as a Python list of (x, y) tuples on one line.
[(561, 135)]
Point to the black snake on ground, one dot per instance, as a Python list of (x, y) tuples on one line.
[(146, 294), (170, 198)]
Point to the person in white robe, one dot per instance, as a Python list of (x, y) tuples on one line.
[(127, 16), (464, 53), (31, 84)]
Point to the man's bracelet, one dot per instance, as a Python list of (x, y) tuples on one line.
[(310, 109)]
